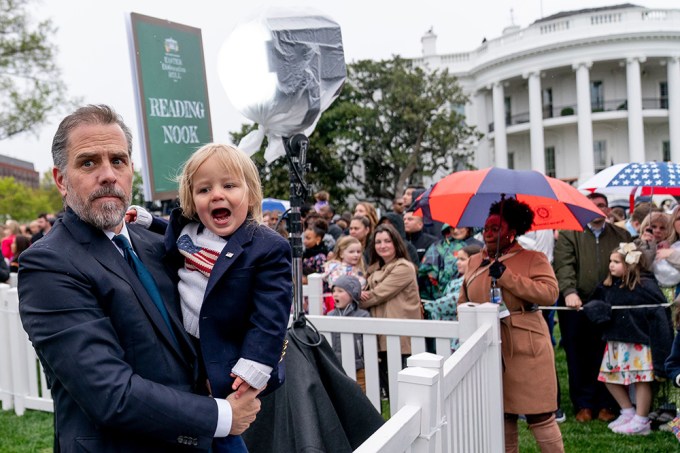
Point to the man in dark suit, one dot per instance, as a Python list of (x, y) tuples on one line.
[(124, 375)]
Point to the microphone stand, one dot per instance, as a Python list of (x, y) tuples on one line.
[(296, 153)]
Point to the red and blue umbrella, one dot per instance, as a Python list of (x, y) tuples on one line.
[(463, 199)]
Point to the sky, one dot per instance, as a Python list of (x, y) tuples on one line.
[(94, 48)]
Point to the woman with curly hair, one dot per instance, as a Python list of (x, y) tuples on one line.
[(526, 280)]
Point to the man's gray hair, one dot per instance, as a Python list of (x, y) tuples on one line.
[(89, 114)]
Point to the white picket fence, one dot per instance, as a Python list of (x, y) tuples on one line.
[(439, 403), (22, 380)]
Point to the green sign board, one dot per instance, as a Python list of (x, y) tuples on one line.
[(172, 99)]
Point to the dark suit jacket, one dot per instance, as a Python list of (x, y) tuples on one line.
[(246, 305), (118, 380)]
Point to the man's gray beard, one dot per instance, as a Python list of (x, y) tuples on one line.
[(107, 216)]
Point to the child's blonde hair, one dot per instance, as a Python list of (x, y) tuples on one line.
[(233, 161), (343, 244), (633, 260)]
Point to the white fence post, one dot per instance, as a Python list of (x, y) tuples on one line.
[(418, 387), (6, 365), (488, 314), (435, 363), (467, 320), (315, 294), (18, 352)]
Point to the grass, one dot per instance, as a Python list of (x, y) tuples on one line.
[(594, 437), (33, 433)]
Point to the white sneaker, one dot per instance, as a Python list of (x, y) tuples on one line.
[(621, 420), (634, 428)]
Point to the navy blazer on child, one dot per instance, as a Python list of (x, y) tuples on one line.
[(247, 302)]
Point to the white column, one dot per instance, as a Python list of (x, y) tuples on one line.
[(536, 122), (674, 107), (500, 138), (636, 138), (585, 125)]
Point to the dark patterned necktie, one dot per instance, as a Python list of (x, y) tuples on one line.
[(145, 278)]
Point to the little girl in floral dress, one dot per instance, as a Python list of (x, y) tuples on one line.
[(638, 339)]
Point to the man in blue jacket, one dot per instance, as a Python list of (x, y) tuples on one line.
[(123, 374)]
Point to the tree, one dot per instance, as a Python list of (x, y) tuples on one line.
[(22, 203), (400, 122), (138, 189), (30, 85)]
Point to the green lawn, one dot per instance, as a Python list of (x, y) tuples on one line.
[(594, 436), (33, 432)]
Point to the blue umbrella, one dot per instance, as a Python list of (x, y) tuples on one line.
[(274, 204)]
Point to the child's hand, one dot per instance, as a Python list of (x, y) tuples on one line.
[(138, 215), (130, 215), (239, 386)]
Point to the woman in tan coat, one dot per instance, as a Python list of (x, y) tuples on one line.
[(526, 280), (392, 289)]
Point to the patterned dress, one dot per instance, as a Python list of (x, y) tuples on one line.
[(626, 363), (438, 268)]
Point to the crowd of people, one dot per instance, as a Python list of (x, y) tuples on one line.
[(16, 237), (616, 263), (188, 316)]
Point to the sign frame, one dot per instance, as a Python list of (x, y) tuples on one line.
[(172, 99)]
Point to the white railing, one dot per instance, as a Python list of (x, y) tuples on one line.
[(22, 380), (453, 405), (439, 403)]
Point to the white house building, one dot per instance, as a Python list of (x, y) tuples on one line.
[(574, 92)]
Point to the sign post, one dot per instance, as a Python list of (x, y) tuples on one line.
[(172, 95)]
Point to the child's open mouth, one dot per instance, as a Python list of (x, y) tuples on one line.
[(221, 215)]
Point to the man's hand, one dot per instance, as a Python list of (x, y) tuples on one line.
[(243, 410), (573, 301)]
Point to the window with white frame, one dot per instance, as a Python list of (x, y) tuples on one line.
[(596, 96), (663, 95), (600, 155), (550, 161)]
